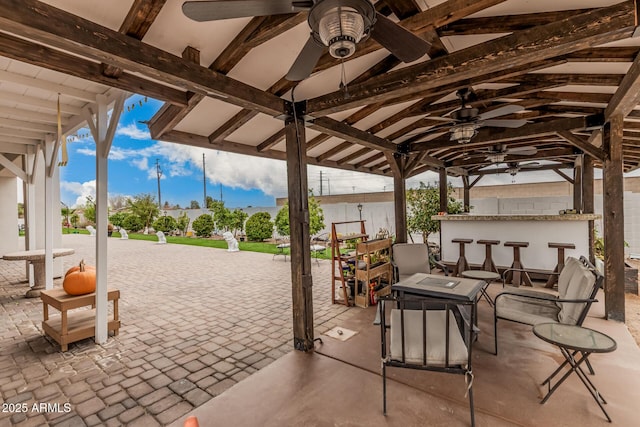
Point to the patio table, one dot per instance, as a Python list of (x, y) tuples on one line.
[(36, 258), (573, 340)]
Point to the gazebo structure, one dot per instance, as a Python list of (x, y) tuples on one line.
[(551, 81)]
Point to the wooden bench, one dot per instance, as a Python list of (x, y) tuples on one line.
[(72, 326)]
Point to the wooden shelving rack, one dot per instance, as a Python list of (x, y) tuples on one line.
[(339, 262), (368, 271)]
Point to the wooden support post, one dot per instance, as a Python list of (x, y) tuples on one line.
[(399, 196), (301, 281), (466, 195), (49, 211), (444, 196), (577, 184), (613, 212), (588, 201)]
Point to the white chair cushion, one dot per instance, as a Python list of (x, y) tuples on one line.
[(571, 264), (527, 310), (436, 330), (580, 287)]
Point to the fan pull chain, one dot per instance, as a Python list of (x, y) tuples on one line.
[(343, 81)]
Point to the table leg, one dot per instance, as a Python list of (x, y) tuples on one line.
[(38, 280), (575, 367)]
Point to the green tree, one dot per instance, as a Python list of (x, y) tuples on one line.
[(132, 222), (238, 217), (194, 205), (74, 218), (145, 206), (259, 226), (209, 202), (117, 219), (66, 212), (423, 203), (316, 218), (221, 215), (183, 222), (20, 210), (203, 225), (165, 223), (90, 211)]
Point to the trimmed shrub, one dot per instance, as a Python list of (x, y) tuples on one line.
[(259, 226), (203, 225), (132, 222), (165, 224)]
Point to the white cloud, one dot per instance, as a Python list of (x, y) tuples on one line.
[(142, 163), (134, 132), (79, 189)]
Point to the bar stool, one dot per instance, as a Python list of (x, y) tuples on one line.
[(553, 278), (462, 264), (488, 260), (517, 278)]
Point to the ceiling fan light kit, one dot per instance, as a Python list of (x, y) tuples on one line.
[(341, 24), (463, 132)]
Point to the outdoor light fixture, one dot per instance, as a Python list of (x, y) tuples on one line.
[(341, 24), (463, 132), (360, 210)]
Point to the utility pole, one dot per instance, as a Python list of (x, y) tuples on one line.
[(321, 183), (159, 174), (220, 191), (204, 182)]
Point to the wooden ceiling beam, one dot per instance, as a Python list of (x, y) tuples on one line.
[(603, 25), (199, 141), (141, 15), (348, 133), (504, 23), (568, 79), (48, 25), (582, 144), (25, 51), (628, 94), (605, 54)]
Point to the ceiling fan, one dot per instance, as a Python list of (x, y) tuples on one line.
[(499, 152), (514, 167), (337, 24), (468, 119)]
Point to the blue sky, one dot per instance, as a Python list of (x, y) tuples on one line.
[(244, 180)]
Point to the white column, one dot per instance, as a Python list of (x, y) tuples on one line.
[(48, 211), (8, 215), (103, 130)]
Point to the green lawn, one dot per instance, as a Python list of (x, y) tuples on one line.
[(268, 248)]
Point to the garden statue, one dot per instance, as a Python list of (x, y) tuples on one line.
[(231, 242), (161, 238), (123, 234), (91, 230)]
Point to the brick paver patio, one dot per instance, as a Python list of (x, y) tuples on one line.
[(195, 321)]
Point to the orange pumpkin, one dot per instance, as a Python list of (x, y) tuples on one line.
[(80, 280), (77, 267)]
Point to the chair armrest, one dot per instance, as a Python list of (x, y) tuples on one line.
[(396, 271), (442, 266), (542, 297)]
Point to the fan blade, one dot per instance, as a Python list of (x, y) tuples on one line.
[(504, 123), (202, 11), (402, 43), (306, 61), (522, 151), (529, 165), (501, 111)]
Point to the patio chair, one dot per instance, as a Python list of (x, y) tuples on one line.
[(282, 246), (428, 339), (319, 245), (412, 258), (578, 285)]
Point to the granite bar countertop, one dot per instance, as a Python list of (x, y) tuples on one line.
[(566, 217)]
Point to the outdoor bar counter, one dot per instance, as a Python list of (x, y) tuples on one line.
[(538, 230)]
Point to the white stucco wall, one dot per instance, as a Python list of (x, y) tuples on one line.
[(9, 241)]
